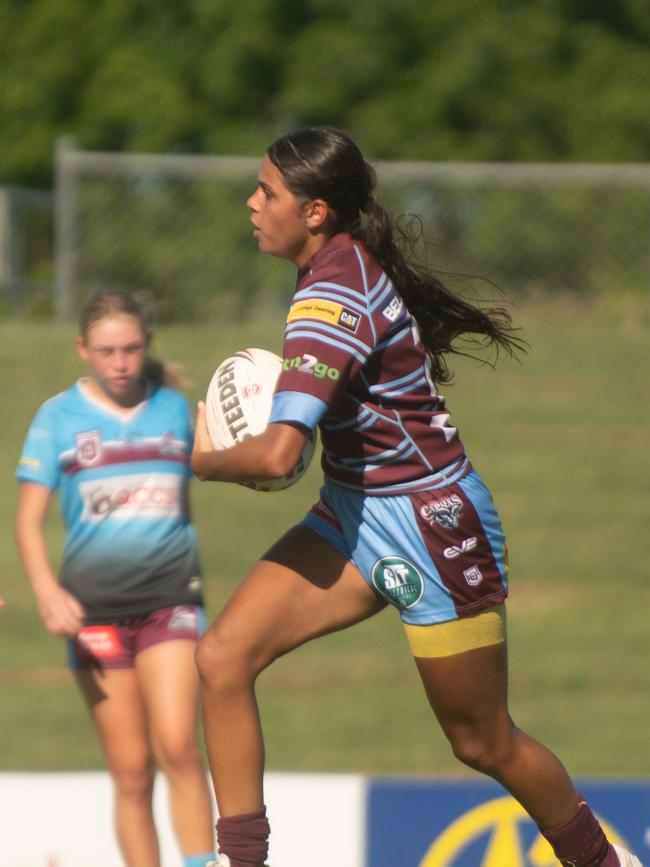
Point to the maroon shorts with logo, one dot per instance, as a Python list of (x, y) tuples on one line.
[(115, 645)]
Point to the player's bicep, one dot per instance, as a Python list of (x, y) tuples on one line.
[(33, 503)]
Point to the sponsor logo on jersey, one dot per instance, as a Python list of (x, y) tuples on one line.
[(473, 576), (310, 364), (89, 448), (445, 512), (466, 545), (184, 617), (394, 309), (326, 311), (398, 581), (499, 828), (144, 495), (32, 463)]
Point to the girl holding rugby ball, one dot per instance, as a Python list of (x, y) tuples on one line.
[(403, 519)]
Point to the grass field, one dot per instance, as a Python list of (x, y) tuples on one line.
[(562, 439)]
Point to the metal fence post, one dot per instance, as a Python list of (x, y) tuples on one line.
[(64, 230)]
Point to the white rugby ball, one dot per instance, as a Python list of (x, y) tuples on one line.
[(238, 405)]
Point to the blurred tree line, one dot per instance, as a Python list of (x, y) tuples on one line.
[(542, 80)]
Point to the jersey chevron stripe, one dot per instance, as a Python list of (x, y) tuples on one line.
[(407, 379), (336, 330), (319, 290), (404, 329), (382, 298), (326, 341)]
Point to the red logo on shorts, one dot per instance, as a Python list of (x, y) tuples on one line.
[(102, 642)]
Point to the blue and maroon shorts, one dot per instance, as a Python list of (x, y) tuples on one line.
[(436, 555), (115, 645)]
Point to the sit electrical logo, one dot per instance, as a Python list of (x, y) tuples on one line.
[(398, 581)]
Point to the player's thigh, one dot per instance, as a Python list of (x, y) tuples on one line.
[(117, 709), (468, 691), (303, 587), (170, 687)]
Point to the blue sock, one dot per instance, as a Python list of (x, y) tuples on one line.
[(198, 860)]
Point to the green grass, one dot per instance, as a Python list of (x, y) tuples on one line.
[(562, 440)]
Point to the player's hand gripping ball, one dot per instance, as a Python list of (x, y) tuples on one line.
[(238, 405)]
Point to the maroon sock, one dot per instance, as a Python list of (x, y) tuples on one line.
[(244, 838), (580, 841)]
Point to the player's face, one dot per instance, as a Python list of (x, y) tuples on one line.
[(116, 350), (283, 224)]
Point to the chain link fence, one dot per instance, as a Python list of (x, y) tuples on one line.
[(177, 227), (26, 248)]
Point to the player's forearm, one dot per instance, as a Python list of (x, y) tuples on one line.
[(270, 455), (249, 461), (32, 549)]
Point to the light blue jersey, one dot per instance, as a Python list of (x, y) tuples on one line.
[(122, 480)]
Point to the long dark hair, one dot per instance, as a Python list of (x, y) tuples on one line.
[(113, 302), (324, 163)]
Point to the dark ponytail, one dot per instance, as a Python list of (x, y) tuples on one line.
[(324, 163)]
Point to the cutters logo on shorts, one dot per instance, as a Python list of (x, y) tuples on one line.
[(398, 581), (144, 495), (445, 512)]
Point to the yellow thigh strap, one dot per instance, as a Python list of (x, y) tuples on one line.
[(457, 636)]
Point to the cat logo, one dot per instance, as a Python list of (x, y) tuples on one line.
[(349, 319), (500, 823)]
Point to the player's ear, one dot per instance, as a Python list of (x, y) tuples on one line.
[(82, 349), (317, 213)]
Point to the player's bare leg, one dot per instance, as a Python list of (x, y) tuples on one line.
[(169, 686), (469, 695), (118, 712), (302, 588)]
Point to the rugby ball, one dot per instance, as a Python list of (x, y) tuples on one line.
[(238, 405)]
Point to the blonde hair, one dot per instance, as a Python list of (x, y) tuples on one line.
[(114, 302)]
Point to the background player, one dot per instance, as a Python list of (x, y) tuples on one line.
[(116, 446), (403, 517)]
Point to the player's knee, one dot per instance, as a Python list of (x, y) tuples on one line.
[(485, 752), (179, 756), (221, 662), (134, 783)]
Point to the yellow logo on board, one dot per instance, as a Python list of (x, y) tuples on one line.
[(500, 819)]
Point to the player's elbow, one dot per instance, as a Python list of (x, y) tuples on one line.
[(279, 465), (284, 446)]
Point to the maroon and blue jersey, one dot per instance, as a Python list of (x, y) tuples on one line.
[(355, 366)]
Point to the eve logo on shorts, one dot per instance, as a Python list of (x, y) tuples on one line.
[(473, 576), (505, 828), (466, 545), (445, 512), (398, 581)]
